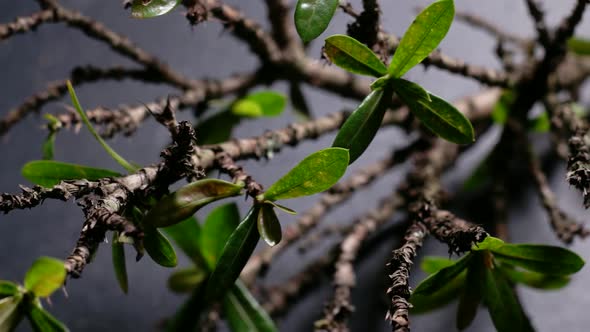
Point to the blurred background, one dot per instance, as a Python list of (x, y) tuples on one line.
[(95, 302)]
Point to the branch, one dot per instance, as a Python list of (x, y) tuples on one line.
[(491, 28), (25, 24), (538, 16)]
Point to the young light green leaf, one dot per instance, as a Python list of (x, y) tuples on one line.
[(48, 173), (243, 312), (489, 243), (152, 8), (187, 200), (540, 258), (441, 278), (7, 288), (312, 17), (433, 264), (119, 265), (218, 227), (503, 306), (158, 247), (579, 46), (261, 103), (540, 124), (442, 118), (48, 146), (43, 321), (317, 172), (269, 226), (425, 302), (45, 276), (353, 56), (216, 128), (535, 279), (186, 280), (120, 160), (362, 125), (423, 36), (233, 258), (472, 292), (10, 313), (186, 235), (502, 107)]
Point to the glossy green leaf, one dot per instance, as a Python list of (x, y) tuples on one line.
[(187, 200), (243, 312), (362, 125), (186, 234), (353, 56), (158, 247), (45, 276), (540, 258), (152, 8), (8, 288), (217, 229), (439, 279), (269, 226), (120, 160), (43, 321), (48, 173), (233, 258), (261, 103), (216, 128), (535, 279), (316, 173), (312, 17), (423, 36), (186, 280), (579, 46), (442, 118), (471, 293), (433, 264), (10, 313), (119, 265), (425, 302), (504, 309)]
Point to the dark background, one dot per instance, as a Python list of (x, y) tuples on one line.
[(95, 303)]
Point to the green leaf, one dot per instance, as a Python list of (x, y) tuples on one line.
[(48, 173), (262, 103), (120, 160), (502, 107), (233, 258), (269, 226), (471, 294), (362, 125), (489, 243), (317, 172), (534, 279), (433, 264), (48, 146), (45, 276), (186, 280), (425, 302), (158, 247), (119, 266), (312, 17), (353, 56), (540, 258), (216, 128), (437, 280), (217, 229), (442, 118), (186, 234), (579, 46), (243, 312), (541, 123), (152, 8), (281, 207), (8, 288), (10, 313), (43, 321), (410, 90), (189, 199), (504, 309), (422, 37)]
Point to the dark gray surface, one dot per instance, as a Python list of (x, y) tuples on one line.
[(95, 302)]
